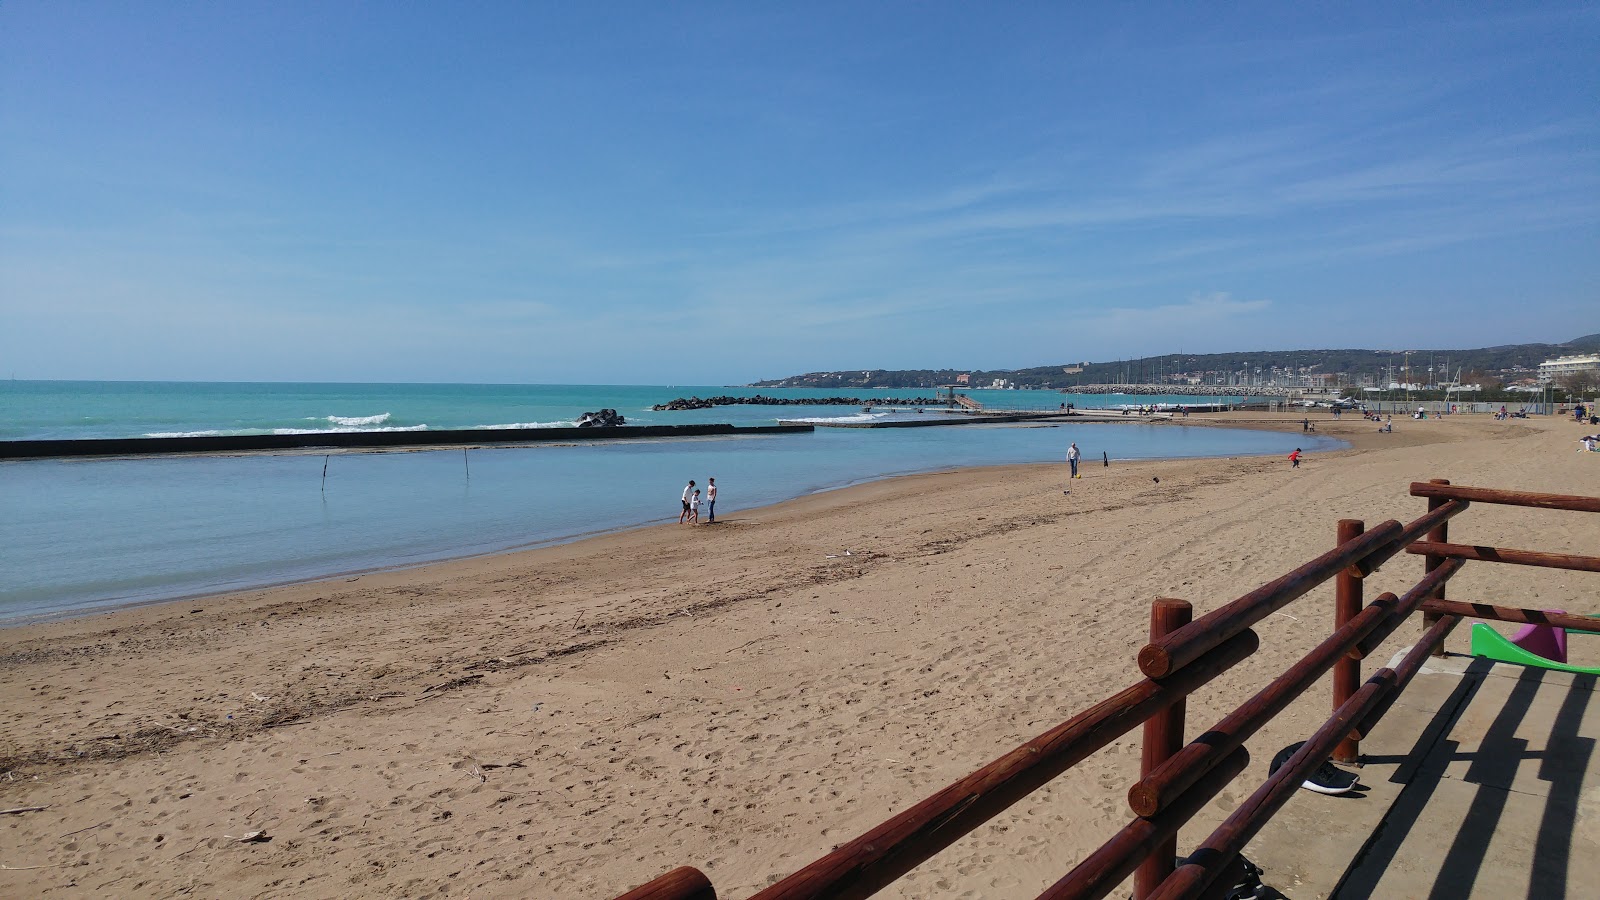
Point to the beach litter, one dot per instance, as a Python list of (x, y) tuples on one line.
[(250, 837)]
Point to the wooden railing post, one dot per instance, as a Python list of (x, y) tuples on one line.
[(1440, 534), (1347, 603), (1163, 736)]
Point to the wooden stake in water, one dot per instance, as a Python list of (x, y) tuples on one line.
[(466, 464), (324, 473)]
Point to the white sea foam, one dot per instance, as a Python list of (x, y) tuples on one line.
[(378, 419), (182, 434), (827, 420), (509, 425)]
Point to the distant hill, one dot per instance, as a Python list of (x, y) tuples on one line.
[(1506, 361)]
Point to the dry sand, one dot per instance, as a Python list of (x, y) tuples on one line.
[(572, 721)]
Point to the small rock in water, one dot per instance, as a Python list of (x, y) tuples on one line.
[(605, 418)]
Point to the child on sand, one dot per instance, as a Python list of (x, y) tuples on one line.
[(1294, 458), (694, 509)]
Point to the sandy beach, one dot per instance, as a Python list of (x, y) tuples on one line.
[(572, 721)]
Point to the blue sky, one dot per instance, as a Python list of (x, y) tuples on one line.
[(721, 192)]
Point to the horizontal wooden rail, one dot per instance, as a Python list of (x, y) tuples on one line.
[(685, 883), (865, 865), (1506, 498), (1159, 659), (1218, 851), (1471, 610), (1116, 859), (1408, 668), (1413, 530), (1172, 779), (1507, 555), (1409, 601)]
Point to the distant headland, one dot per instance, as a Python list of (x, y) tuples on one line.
[(1493, 368)]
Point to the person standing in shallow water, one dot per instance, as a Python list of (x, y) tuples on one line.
[(688, 494), (711, 500)]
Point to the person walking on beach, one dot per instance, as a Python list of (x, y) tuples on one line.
[(1294, 459), (1072, 460), (711, 500), (688, 493)]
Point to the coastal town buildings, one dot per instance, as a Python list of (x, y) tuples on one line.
[(1551, 369)]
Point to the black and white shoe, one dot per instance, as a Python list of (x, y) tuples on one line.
[(1248, 888), (1251, 887), (1325, 779)]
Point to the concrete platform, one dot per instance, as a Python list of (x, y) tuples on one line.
[(1482, 782)]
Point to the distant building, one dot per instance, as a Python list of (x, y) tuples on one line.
[(964, 378), (1551, 369)]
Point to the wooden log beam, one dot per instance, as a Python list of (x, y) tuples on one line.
[(1163, 736), (684, 883), (862, 867), (1439, 535), (1159, 659), (1101, 871), (1474, 610), (1507, 555), (1448, 491), (1348, 591)]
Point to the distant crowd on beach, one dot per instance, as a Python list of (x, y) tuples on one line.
[(692, 500)]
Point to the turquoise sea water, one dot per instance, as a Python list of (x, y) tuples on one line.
[(79, 535), (38, 410)]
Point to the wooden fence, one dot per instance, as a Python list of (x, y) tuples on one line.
[(1178, 779)]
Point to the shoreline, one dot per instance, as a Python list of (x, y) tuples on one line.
[(22, 620), (573, 720)]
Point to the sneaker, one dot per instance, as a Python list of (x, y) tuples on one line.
[(1249, 888), (1325, 779)]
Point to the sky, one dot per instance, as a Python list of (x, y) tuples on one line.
[(714, 193)]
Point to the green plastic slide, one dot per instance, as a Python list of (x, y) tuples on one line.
[(1491, 644)]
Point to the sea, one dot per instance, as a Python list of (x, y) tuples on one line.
[(84, 535)]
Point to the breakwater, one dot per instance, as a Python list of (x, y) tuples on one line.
[(683, 403), (367, 440), (940, 421)]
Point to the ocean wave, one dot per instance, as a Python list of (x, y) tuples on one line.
[(510, 425), (378, 419), (182, 434), (348, 430)]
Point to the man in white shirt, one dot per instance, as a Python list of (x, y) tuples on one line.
[(711, 500), (688, 494), (1072, 459)]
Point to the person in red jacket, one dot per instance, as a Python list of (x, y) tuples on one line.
[(1294, 458)]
